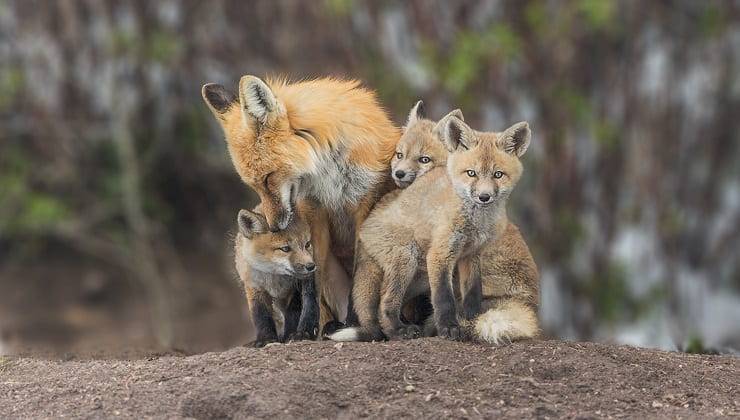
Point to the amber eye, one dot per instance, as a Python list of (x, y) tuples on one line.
[(399, 155), (471, 173), (308, 245), (285, 248), (498, 174), (424, 159)]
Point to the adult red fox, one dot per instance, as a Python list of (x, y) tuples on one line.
[(325, 140)]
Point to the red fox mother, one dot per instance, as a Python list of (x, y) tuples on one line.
[(324, 140)]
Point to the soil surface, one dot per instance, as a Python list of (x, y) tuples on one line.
[(419, 378)]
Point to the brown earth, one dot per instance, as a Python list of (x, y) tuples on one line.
[(418, 378)]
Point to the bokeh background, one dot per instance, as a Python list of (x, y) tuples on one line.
[(118, 199)]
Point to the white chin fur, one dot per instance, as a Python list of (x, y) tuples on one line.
[(345, 334)]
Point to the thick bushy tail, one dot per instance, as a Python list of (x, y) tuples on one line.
[(508, 321), (356, 334)]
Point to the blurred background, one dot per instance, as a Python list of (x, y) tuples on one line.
[(118, 199)]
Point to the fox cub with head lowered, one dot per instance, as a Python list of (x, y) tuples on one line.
[(508, 272), (457, 211), (277, 269)]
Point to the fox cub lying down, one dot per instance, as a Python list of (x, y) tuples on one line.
[(459, 213), (277, 269)]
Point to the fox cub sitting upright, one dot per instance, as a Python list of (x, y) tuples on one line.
[(457, 211), (277, 269), (508, 271)]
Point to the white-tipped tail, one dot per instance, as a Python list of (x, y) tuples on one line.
[(506, 322), (346, 334)]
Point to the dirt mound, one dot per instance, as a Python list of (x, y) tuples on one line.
[(418, 378)]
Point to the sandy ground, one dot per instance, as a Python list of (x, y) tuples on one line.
[(418, 378)]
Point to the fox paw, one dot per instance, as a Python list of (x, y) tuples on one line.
[(451, 332), (262, 342), (408, 332), (302, 335)]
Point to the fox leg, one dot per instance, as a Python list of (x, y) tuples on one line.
[(324, 284), (291, 314), (441, 263), (471, 287), (260, 308), (398, 276), (366, 293), (308, 319)]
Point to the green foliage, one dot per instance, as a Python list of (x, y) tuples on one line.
[(598, 14), (164, 47), (122, 43), (613, 301), (712, 22), (470, 55), (25, 210), (11, 83), (606, 133), (392, 89), (40, 212), (611, 294), (338, 8)]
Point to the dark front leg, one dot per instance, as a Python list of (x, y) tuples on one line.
[(260, 307), (471, 287), (443, 300), (352, 319), (292, 315), (308, 322)]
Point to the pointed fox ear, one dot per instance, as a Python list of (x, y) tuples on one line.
[(257, 100), (456, 134), (417, 112), (217, 98), (515, 139), (443, 121), (251, 223)]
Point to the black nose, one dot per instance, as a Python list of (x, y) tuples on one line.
[(310, 267), (400, 174), (484, 197)]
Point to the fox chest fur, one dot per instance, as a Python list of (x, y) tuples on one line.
[(277, 286)]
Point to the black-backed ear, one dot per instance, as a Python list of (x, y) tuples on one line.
[(515, 139), (217, 98), (417, 112), (437, 130), (251, 223), (456, 134), (257, 100)]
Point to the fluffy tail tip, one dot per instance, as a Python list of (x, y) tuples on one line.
[(506, 323), (346, 334)]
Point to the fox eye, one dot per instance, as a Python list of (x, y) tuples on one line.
[(308, 245), (399, 155), (498, 174), (425, 159), (285, 248), (471, 173), (267, 180)]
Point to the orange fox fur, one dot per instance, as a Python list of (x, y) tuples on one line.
[(326, 140)]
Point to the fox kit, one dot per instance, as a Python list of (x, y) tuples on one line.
[(325, 139), (277, 269), (458, 211), (508, 271)]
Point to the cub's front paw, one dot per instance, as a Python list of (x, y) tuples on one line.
[(302, 335), (450, 332), (408, 332), (263, 341), (331, 327)]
